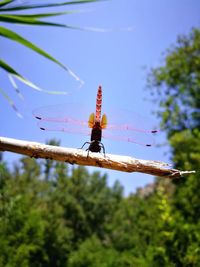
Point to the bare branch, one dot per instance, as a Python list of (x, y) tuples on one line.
[(79, 156)]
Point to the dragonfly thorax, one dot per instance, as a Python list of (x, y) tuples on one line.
[(96, 132), (95, 146)]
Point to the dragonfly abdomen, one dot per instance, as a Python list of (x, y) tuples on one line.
[(98, 104)]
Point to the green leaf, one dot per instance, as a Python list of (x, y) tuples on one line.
[(18, 76), (11, 103), (20, 7), (11, 71), (15, 86), (17, 38), (44, 15), (5, 2), (39, 15), (27, 20), (31, 21)]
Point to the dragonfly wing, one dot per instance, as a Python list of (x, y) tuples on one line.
[(60, 114), (142, 139), (127, 120), (120, 125), (63, 127), (128, 126)]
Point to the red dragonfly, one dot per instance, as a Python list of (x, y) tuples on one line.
[(53, 118), (97, 124)]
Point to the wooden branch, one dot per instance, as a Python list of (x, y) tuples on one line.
[(79, 156)]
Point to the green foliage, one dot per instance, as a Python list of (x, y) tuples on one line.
[(43, 222), (92, 253), (74, 219), (176, 86)]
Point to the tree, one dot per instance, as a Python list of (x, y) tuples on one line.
[(44, 221), (176, 86)]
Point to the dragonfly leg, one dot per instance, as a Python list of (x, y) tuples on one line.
[(85, 144), (102, 146), (88, 149)]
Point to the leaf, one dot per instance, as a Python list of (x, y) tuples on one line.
[(16, 37), (26, 20), (5, 2), (44, 15), (16, 8), (15, 86), (11, 103), (31, 21), (16, 75)]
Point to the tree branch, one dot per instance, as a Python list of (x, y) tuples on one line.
[(79, 156)]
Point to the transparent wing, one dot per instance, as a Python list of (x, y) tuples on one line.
[(68, 113), (126, 125), (142, 139), (63, 127), (122, 125), (127, 120)]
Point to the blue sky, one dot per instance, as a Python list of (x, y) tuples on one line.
[(115, 59)]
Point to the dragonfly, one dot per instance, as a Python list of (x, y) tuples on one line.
[(98, 126)]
